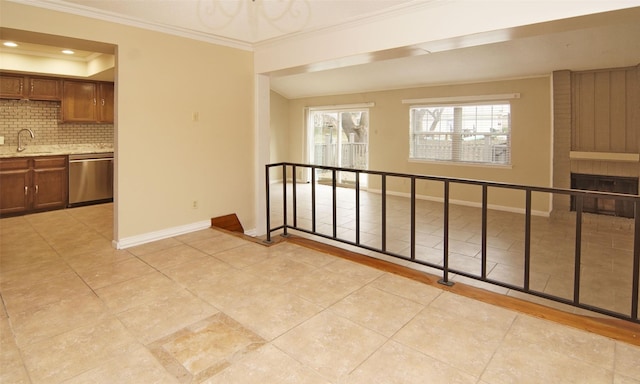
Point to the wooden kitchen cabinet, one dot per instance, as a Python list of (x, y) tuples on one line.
[(29, 87), (12, 86), (41, 88), (29, 184), (105, 102), (79, 99), (15, 179), (87, 101)]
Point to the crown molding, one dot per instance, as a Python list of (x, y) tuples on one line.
[(80, 10), (75, 9)]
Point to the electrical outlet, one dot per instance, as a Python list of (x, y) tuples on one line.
[(194, 204), (195, 116), (1, 140)]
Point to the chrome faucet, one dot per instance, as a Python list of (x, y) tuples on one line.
[(20, 147)]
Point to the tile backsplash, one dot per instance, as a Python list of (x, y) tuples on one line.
[(42, 118)]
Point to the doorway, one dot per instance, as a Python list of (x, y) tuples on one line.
[(338, 137)]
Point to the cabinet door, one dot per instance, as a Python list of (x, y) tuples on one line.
[(106, 102), (11, 86), (50, 183), (14, 186), (79, 101), (44, 89)]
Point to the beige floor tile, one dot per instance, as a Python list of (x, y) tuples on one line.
[(199, 274), (66, 355), (548, 336), (131, 365), (141, 290), (12, 368), (627, 360), (107, 274), (270, 311), (515, 276), (518, 362), (221, 243), (205, 348), (330, 344), (279, 270), (267, 365), (60, 287), (377, 310), (407, 288), (80, 243), (58, 317), (357, 272), (303, 255), (154, 246), (84, 262), (621, 379), (323, 287), (171, 257), (464, 343), (161, 317), (202, 234), (37, 253), (239, 255), (33, 274), (395, 363)]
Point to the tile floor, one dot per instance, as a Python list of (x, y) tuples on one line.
[(607, 242), (208, 307)]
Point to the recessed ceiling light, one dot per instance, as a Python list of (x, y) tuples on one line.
[(67, 52), (9, 44)]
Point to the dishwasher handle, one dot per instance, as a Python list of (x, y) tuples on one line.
[(87, 160)]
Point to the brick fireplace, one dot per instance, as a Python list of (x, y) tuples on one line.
[(596, 137)]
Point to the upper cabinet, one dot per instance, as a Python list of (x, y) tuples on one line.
[(87, 101), (14, 86), (41, 88)]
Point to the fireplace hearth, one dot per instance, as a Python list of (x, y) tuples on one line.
[(603, 183)]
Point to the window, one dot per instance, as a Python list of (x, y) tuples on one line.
[(473, 133), (339, 137)]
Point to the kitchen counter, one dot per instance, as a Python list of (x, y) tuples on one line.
[(53, 150)]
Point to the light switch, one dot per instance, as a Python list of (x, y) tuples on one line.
[(1, 140)]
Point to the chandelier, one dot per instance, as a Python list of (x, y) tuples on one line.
[(283, 15)]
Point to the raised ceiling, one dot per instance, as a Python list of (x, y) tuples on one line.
[(603, 40)]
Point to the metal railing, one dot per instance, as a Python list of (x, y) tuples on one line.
[(293, 169)]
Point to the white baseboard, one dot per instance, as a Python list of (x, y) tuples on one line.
[(132, 241)]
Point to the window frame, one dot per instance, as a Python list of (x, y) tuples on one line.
[(463, 101)]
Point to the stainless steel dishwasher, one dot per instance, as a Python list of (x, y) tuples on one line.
[(90, 178)]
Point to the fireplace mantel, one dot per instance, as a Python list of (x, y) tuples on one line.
[(605, 156)]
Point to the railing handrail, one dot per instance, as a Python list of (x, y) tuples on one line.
[(579, 195)]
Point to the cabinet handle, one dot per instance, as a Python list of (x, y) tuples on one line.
[(26, 190), (103, 102), (94, 101), (36, 189), (31, 86)]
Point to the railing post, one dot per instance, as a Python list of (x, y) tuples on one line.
[(578, 250), (384, 213), (284, 200), (413, 218), (527, 240), (483, 251), (295, 197), (334, 188), (266, 172), (445, 261), (313, 198), (357, 207)]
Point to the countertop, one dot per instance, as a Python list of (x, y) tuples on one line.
[(53, 150)]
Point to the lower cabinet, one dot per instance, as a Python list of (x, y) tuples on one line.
[(29, 184)]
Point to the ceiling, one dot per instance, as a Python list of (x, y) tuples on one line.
[(604, 40)]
